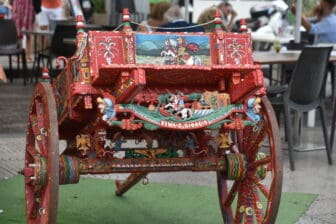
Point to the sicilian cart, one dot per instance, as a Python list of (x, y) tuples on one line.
[(138, 103)]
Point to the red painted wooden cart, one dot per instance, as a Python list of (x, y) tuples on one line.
[(137, 103)]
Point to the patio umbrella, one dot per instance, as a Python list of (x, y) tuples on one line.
[(298, 15)]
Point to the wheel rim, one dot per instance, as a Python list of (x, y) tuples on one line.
[(256, 197), (42, 158)]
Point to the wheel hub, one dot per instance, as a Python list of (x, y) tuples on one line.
[(36, 172), (236, 166)]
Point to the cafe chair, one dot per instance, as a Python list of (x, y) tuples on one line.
[(304, 93), (9, 46), (58, 47), (333, 124)]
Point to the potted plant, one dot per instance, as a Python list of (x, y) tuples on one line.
[(99, 15)]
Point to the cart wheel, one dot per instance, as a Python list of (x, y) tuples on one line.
[(254, 197), (42, 157)]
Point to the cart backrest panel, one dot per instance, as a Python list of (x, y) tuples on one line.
[(180, 49), (105, 48), (159, 49)]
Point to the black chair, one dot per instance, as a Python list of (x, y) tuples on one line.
[(9, 46), (333, 124), (304, 93), (54, 22), (287, 69), (58, 47)]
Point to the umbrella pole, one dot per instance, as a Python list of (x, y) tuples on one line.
[(298, 13)]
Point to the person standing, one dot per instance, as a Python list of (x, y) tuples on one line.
[(23, 15), (50, 10)]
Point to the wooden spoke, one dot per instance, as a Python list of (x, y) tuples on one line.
[(259, 214), (222, 193), (36, 126), (36, 204), (31, 151), (263, 189), (248, 190), (240, 211), (41, 163), (232, 193), (260, 162), (255, 143)]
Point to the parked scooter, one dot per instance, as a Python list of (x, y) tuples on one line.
[(267, 17)]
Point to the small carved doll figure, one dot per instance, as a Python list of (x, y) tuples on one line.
[(106, 108), (253, 108)]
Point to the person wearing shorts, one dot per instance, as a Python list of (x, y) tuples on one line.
[(50, 10)]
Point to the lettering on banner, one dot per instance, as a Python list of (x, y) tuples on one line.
[(186, 125)]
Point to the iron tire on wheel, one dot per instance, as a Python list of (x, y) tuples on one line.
[(255, 197), (42, 158)]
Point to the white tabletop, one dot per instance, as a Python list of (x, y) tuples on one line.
[(269, 37)]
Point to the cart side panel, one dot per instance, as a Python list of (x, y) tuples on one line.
[(61, 92), (105, 48), (237, 49)]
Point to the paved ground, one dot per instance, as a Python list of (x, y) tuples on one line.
[(312, 175)]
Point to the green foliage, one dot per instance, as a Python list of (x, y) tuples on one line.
[(308, 5), (99, 6)]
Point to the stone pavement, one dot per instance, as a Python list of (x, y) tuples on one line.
[(312, 175), (12, 155), (14, 101)]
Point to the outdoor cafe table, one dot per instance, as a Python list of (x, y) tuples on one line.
[(272, 58), (287, 57), (259, 39)]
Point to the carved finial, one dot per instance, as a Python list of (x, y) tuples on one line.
[(243, 26), (45, 74), (218, 20), (80, 23), (126, 15)]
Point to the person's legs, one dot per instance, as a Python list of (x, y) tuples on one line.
[(46, 15), (28, 48), (2, 74), (44, 25)]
